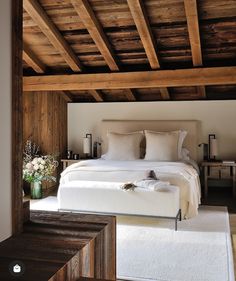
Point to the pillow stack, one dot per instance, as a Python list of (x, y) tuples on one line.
[(160, 146)]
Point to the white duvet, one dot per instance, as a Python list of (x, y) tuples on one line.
[(110, 174)]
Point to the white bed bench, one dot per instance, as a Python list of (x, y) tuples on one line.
[(164, 203)]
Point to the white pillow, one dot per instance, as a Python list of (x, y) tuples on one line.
[(123, 146), (164, 146)]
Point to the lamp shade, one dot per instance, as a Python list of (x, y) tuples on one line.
[(87, 145), (213, 147)]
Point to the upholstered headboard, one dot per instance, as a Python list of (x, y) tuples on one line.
[(125, 126)]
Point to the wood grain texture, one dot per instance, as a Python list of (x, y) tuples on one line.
[(191, 11), (62, 246), (193, 30), (141, 21), (97, 95), (147, 79), (17, 115), (45, 123), (49, 29), (32, 61), (94, 28)]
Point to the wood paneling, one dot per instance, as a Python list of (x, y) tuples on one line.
[(45, 122), (62, 246), (147, 79), (17, 125)]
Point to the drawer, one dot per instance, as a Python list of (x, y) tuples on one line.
[(219, 172)]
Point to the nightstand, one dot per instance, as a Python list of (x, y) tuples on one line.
[(220, 171), (68, 162)]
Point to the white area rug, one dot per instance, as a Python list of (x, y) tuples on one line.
[(150, 249)]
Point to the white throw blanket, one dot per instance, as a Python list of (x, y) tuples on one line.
[(176, 173)]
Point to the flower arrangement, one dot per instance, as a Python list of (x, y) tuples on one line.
[(37, 168)]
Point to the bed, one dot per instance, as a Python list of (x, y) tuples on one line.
[(94, 185)]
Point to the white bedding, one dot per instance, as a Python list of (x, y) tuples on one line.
[(177, 173)]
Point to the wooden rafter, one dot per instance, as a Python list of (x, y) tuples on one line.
[(130, 94), (143, 79), (97, 95), (141, 21), (40, 17), (144, 30), (165, 94), (31, 59), (67, 96), (86, 14), (194, 37), (95, 30)]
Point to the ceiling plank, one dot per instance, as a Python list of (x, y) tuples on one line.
[(31, 59), (141, 21), (95, 30), (123, 80), (194, 37), (40, 17), (97, 95)]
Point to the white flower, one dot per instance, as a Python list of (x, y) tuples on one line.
[(35, 161), (36, 167), (29, 166), (41, 167), (43, 162), (40, 159)]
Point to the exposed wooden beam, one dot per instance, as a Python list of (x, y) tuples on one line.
[(165, 95), (194, 37), (143, 79), (86, 14), (201, 90), (67, 96), (40, 17), (95, 30), (141, 21), (97, 95), (144, 30), (30, 58), (193, 30), (130, 95)]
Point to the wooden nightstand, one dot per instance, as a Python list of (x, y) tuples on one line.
[(68, 162), (220, 171)]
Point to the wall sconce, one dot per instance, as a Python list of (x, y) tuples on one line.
[(87, 146), (213, 147)]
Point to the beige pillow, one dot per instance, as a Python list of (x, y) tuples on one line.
[(162, 146), (123, 146)]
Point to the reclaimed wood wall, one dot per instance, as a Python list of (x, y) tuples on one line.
[(45, 123)]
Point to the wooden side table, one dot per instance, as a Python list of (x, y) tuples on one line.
[(68, 162), (220, 171)]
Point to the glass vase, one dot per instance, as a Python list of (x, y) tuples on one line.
[(36, 190)]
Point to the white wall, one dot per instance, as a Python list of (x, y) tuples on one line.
[(218, 117), (5, 118)]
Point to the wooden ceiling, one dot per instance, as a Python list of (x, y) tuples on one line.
[(131, 50)]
